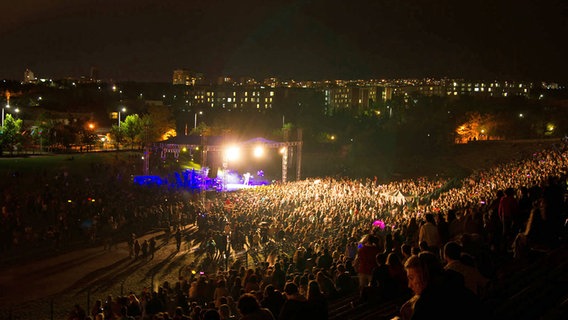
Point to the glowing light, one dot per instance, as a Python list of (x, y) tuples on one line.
[(283, 150), (91, 126), (332, 137), (521, 115), (258, 151), (232, 153), (184, 149), (550, 127)]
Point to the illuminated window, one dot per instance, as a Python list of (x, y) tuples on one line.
[(272, 93)]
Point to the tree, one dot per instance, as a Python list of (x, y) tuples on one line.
[(11, 134), (132, 129), (475, 127), (40, 131), (202, 129), (157, 124), (117, 134)]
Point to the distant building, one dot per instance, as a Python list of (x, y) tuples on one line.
[(271, 82), (488, 88), (232, 97), (457, 87), (225, 80), (186, 78), (353, 95), (29, 76), (351, 98)]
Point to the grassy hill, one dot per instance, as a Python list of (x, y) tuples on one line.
[(455, 161)]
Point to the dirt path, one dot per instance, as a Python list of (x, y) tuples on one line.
[(48, 288)]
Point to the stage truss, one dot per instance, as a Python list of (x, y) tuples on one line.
[(285, 147)]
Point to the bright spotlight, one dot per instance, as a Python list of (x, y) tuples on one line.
[(232, 153), (258, 151), (550, 127)]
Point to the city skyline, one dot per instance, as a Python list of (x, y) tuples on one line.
[(309, 40)]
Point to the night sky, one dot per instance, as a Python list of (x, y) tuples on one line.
[(143, 40)]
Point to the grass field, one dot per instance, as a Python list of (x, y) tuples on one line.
[(458, 160)]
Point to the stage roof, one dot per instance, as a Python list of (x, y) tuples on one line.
[(214, 140)]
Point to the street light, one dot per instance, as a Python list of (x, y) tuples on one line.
[(17, 110), (5, 107), (121, 110), (195, 119)]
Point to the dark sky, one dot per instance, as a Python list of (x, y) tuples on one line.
[(145, 40)]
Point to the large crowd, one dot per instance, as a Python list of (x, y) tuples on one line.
[(316, 240)]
